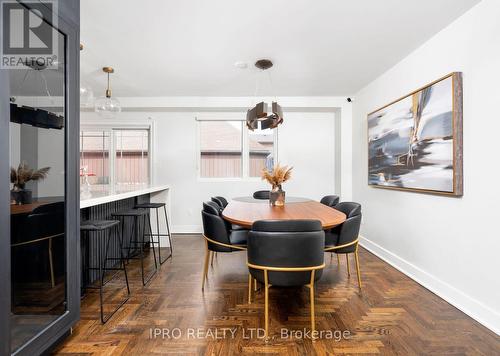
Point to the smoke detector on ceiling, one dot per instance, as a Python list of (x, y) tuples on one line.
[(241, 65)]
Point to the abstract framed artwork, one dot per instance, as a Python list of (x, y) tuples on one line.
[(415, 142)]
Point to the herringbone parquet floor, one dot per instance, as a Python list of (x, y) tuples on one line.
[(392, 315)]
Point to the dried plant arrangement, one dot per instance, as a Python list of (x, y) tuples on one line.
[(278, 176), (23, 174)]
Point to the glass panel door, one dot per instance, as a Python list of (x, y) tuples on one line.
[(38, 237)]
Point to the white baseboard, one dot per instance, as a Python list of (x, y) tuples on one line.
[(187, 229), (470, 306)]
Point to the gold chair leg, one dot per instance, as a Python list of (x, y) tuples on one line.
[(338, 259), (211, 254), (348, 267), (266, 306), (212, 259), (51, 265), (357, 267), (311, 296), (254, 285), (249, 288), (205, 267)]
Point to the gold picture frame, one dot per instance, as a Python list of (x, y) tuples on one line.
[(415, 143)]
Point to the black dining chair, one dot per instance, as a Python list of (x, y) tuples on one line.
[(220, 201), (284, 254), (343, 239), (261, 194), (331, 235), (50, 208), (43, 229), (330, 200), (55, 215), (218, 237)]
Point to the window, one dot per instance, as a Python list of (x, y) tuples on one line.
[(229, 150), (115, 156), (261, 151), (94, 157), (132, 156), (220, 149)]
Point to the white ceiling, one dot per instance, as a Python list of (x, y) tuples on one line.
[(189, 47)]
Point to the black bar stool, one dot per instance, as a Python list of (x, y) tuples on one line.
[(157, 207), (137, 238), (94, 227)]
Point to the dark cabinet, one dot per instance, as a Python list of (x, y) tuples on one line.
[(39, 174)]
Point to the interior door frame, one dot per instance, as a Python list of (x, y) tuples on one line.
[(4, 212), (69, 26)]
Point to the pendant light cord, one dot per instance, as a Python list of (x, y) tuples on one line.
[(256, 91), (107, 89), (272, 87)]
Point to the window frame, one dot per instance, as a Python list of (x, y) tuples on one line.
[(245, 148), (111, 127)]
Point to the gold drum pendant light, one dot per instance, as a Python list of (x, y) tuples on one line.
[(258, 115)]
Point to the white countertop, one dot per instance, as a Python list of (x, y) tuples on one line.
[(118, 193)]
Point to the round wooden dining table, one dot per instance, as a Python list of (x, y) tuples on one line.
[(245, 211)]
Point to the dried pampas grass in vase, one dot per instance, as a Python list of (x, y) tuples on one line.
[(22, 175), (276, 177)]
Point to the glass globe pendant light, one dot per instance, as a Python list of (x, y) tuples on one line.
[(87, 100), (106, 106), (86, 97)]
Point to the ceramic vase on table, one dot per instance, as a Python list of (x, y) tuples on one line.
[(277, 196), (21, 196)]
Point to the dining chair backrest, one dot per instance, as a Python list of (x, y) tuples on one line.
[(261, 194), (49, 208), (350, 209), (285, 244), (348, 231), (220, 201), (40, 226), (330, 200), (214, 227)]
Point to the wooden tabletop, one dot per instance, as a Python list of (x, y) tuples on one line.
[(16, 209), (25, 208), (245, 213)]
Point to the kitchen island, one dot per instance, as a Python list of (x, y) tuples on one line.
[(100, 204), (157, 193)]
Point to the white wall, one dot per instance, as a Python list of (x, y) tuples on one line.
[(308, 143), (176, 149), (15, 144), (450, 245), (51, 154)]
